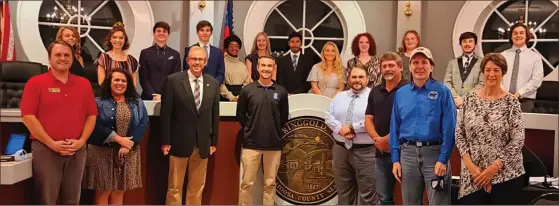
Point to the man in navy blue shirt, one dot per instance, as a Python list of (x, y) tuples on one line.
[(422, 134), (157, 62), (215, 64)]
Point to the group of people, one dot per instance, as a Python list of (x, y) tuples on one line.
[(406, 131), (391, 120)]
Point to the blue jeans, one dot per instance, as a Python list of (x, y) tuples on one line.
[(385, 179), (418, 169)]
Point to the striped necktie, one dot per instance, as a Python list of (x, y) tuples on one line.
[(197, 93), (294, 62)]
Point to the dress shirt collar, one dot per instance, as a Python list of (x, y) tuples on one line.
[(521, 48), (158, 47), (202, 44), (191, 76), (350, 92), (298, 53), (427, 84), (464, 55)]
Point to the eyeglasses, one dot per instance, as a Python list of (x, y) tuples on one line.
[(197, 59)]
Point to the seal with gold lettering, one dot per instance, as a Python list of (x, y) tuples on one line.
[(305, 175)]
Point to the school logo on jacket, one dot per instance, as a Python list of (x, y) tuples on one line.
[(305, 175)]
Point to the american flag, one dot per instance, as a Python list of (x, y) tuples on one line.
[(8, 51)]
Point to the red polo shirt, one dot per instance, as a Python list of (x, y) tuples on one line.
[(62, 108)]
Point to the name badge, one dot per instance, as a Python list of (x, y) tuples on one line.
[(54, 90)]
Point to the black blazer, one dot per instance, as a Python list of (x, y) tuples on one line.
[(182, 126), (215, 64), (154, 70), (295, 81)]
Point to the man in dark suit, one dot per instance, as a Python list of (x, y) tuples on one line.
[(215, 65), (189, 125), (157, 62), (294, 67)]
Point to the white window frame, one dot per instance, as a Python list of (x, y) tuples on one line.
[(483, 10), (259, 12), (137, 17)]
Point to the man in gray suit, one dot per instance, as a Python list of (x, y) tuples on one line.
[(463, 74), (189, 128)]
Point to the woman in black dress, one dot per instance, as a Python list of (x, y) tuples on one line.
[(71, 36), (260, 47)]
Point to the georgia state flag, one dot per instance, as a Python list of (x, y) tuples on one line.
[(228, 26)]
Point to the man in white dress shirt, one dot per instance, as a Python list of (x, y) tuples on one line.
[(526, 68), (353, 153)]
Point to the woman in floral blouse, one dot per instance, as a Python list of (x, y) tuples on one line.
[(364, 48), (490, 136)]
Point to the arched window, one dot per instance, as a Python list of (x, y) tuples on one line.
[(37, 23), (542, 19), (316, 20), (93, 18), (492, 19)]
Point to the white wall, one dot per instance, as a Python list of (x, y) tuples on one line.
[(436, 33), (170, 12)]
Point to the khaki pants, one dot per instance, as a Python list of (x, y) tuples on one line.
[(196, 179), (250, 161), (57, 177)]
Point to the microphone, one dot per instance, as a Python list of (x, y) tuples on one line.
[(544, 184)]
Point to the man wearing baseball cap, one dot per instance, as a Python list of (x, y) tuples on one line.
[(422, 134)]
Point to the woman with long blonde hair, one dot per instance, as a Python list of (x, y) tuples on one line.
[(71, 36), (327, 76), (260, 47)]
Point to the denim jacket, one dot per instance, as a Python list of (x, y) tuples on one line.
[(105, 127)]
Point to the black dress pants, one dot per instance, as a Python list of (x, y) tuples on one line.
[(505, 193)]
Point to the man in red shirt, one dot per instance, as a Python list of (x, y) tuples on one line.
[(59, 110)]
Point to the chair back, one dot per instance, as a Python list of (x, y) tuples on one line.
[(13, 76), (551, 198)]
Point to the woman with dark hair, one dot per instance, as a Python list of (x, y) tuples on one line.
[(71, 36), (410, 41), (364, 49), (489, 137), (116, 44), (113, 152)]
